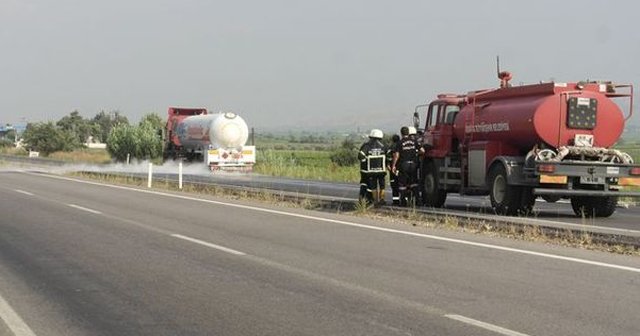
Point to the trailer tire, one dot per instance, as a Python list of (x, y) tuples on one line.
[(505, 199), (431, 194), (593, 206)]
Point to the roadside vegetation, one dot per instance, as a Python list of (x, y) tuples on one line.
[(83, 155), (68, 138), (333, 159), (304, 164)]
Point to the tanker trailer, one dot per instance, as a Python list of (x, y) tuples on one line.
[(217, 139), (516, 143)]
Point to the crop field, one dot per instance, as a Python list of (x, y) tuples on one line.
[(305, 164)]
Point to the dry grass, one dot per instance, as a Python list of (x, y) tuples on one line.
[(531, 233), (97, 156), (13, 151)]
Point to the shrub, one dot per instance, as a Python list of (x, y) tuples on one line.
[(344, 157), (6, 143), (346, 154)]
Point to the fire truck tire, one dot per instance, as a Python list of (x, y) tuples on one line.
[(527, 201), (592, 206), (433, 196), (505, 199)]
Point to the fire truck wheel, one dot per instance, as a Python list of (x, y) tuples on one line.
[(505, 199), (592, 206), (433, 196), (527, 201)]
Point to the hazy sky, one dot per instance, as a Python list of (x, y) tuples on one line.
[(299, 64)]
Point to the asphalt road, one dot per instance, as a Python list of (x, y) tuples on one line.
[(79, 258)]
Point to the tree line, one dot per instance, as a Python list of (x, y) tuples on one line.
[(71, 132)]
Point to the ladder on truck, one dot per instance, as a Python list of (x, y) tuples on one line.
[(467, 138)]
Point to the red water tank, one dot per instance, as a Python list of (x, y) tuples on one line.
[(551, 113)]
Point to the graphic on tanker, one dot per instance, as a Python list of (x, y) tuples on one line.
[(217, 139)]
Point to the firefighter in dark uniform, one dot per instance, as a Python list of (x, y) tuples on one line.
[(372, 168), (393, 177), (419, 192), (405, 163)]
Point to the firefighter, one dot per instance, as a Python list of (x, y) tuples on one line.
[(419, 190), (405, 163), (393, 177), (372, 169)]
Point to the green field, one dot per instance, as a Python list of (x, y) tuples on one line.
[(305, 164)]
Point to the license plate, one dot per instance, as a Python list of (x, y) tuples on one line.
[(591, 180)]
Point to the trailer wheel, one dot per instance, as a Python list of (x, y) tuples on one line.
[(505, 199), (593, 206), (432, 195)]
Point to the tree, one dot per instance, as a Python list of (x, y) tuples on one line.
[(122, 140), (78, 127), (10, 135), (47, 138), (150, 135), (105, 121), (149, 143), (140, 142), (153, 120)]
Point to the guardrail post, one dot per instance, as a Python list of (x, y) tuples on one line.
[(180, 175), (150, 175)]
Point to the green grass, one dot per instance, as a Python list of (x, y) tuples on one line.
[(304, 164), (633, 150)]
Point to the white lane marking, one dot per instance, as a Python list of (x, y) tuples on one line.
[(485, 325), (23, 192), (85, 209), (204, 243), (363, 226), (13, 320)]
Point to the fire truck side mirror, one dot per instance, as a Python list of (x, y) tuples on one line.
[(416, 120)]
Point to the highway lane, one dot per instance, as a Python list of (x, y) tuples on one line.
[(80, 258)]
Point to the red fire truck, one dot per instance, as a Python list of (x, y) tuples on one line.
[(515, 143)]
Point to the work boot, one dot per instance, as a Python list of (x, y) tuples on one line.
[(381, 200)]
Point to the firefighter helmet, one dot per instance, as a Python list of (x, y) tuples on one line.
[(376, 134)]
